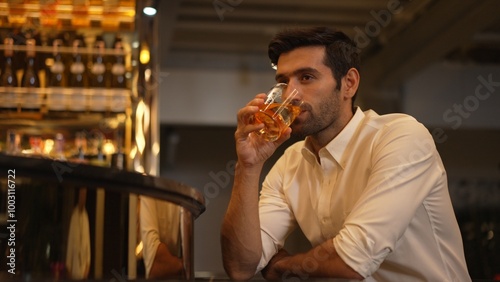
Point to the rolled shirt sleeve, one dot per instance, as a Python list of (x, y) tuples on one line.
[(276, 219)]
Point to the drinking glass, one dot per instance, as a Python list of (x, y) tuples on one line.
[(277, 113)]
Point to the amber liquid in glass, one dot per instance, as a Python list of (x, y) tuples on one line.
[(275, 119)]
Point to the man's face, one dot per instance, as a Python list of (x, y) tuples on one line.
[(304, 70)]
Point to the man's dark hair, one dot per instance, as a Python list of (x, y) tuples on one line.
[(341, 52)]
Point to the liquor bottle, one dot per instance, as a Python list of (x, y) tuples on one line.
[(118, 158), (78, 78), (80, 147), (30, 80), (56, 79), (77, 67), (98, 77), (98, 69), (118, 79), (13, 142), (9, 78), (19, 56), (99, 159), (58, 153)]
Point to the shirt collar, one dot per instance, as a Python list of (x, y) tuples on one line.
[(338, 145)]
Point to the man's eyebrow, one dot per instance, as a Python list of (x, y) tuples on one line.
[(296, 72)]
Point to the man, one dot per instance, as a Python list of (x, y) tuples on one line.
[(368, 191)]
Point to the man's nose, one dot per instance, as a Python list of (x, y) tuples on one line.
[(292, 89), (291, 96)]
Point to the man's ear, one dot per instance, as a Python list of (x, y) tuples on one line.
[(350, 83)]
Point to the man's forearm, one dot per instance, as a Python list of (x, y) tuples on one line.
[(240, 233), (320, 261), (165, 265)]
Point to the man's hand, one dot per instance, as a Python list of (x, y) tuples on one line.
[(251, 149), (274, 269), (326, 264), (165, 265)]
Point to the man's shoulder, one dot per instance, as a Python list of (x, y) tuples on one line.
[(395, 126), (373, 119)]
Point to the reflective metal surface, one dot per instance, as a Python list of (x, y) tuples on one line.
[(73, 221)]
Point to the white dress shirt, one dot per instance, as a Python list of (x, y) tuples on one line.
[(379, 191)]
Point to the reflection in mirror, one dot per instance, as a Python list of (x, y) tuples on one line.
[(78, 247), (160, 234)]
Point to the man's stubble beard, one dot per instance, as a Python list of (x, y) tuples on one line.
[(317, 122)]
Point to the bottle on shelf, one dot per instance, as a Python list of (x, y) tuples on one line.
[(58, 153), (8, 80), (98, 68), (56, 78), (118, 79), (78, 77), (80, 147), (118, 157), (19, 56), (99, 159), (98, 77), (13, 142), (57, 75), (119, 96), (32, 99)]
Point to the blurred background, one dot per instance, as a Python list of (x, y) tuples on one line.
[(438, 60)]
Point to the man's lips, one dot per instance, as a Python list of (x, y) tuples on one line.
[(300, 115)]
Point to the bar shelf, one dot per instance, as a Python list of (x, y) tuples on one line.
[(43, 100)]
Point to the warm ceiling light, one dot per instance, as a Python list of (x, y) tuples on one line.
[(144, 55), (150, 11), (150, 8)]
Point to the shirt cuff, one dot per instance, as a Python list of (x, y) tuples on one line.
[(355, 255)]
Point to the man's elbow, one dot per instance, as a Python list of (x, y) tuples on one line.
[(238, 274), (238, 271), (239, 264)]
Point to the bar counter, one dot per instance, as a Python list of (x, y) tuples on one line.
[(39, 197)]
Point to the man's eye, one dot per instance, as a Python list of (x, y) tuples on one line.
[(307, 77)]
